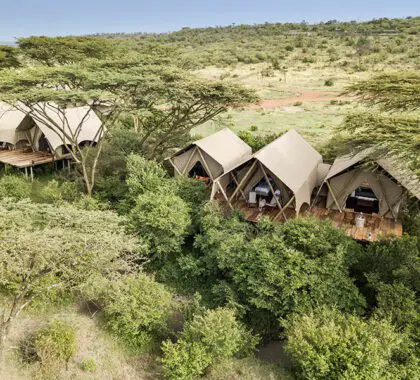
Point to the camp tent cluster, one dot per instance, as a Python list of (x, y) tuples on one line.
[(289, 174), (47, 128)]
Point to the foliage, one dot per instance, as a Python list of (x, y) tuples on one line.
[(396, 135), (137, 309), (329, 82), (8, 57), (88, 365), (55, 343), (162, 220), (389, 134), (56, 247), (327, 344), (279, 269), (393, 91), (14, 186), (54, 192), (256, 142), (246, 369), (214, 335), (62, 50)]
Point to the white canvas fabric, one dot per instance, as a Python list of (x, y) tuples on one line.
[(222, 151), (79, 123)]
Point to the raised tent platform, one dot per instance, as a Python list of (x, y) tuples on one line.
[(21, 158), (375, 226)]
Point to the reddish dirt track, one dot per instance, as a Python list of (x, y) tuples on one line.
[(309, 96)]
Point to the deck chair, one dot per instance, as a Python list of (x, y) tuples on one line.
[(252, 199)]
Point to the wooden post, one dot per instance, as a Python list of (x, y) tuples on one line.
[(205, 164), (243, 180), (285, 207), (333, 195), (272, 190), (175, 167), (189, 160), (32, 173), (26, 172), (224, 195), (237, 183)]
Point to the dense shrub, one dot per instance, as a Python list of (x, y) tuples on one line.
[(137, 309), (214, 335), (55, 344), (14, 186), (327, 344), (55, 191), (329, 83), (162, 220)]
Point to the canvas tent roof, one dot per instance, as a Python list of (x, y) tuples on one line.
[(291, 158), (225, 147), (81, 122), (10, 119), (395, 168)]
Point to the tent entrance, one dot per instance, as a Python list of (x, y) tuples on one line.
[(43, 144), (198, 171), (363, 199)]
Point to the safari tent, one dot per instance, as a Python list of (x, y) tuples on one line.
[(283, 173), (51, 131), (212, 156), (378, 188)]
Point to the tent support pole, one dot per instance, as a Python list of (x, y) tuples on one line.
[(272, 191), (32, 173), (189, 161), (175, 167), (239, 187), (224, 195), (285, 206), (205, 164), (333, 195), (26, 172), (390, 207), (237, 183), (316, 197)]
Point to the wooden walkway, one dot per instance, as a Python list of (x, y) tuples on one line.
[(20, 158), (375, 226)]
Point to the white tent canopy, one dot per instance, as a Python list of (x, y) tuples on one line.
[(290, 160), (219, 153), (59, 126), (387, 181)]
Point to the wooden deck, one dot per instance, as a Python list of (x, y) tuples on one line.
[(20, 158), (375, 226)]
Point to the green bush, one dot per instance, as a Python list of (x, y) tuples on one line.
[(162, 220), (55, 191), (137, 309), (329, 83), (254, 128), (55, 343), (88, 365), (14, 186), (208, 337), (328, 344)]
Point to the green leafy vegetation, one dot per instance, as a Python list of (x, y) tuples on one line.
[(154, 280)]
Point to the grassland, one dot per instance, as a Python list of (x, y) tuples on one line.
[(298, 99)]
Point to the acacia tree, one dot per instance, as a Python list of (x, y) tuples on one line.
[(47, 249), (169, 102), (163, 103), (393, 128)]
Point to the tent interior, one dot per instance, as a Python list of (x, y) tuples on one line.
[(363, 199), (198, 171)]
